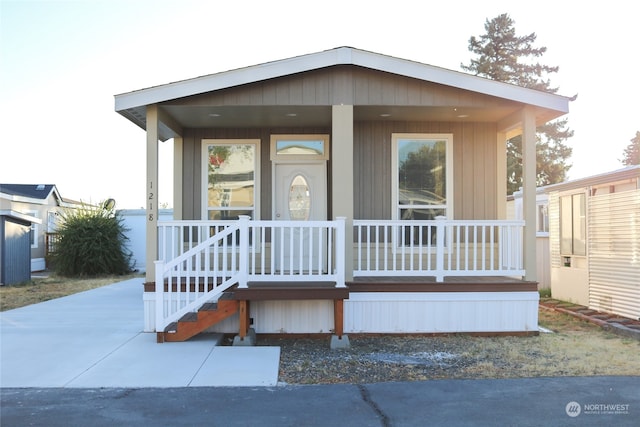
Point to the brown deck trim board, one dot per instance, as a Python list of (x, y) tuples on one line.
[(290, 293), (450, 284)]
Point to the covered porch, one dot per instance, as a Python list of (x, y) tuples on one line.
[(419, 271)]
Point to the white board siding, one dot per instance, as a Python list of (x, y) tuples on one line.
[(389, 312), (554, 230), (614, 253), (436, 312)]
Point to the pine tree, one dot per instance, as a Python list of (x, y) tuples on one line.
[(632, 152), (506, 57)]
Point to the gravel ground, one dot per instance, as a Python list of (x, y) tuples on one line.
[(383, 359)]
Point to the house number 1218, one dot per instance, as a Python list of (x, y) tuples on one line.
[(151, 200)]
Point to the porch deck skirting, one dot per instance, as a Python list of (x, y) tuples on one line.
[(371, 308)]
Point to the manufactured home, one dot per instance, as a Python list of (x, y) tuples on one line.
[(44, 203), (594, 241), (340, 192)]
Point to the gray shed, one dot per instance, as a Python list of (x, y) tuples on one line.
[(15, 247)]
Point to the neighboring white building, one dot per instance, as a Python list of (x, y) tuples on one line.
[(134, 221), (591, 248), (514, 211)]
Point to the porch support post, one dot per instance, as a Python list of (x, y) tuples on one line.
[(152, 192), (501, 175), (177, 178), (529, 192), (342, 176)]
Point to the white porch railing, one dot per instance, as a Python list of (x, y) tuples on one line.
[(438, 248), (205, 258), (201, 259)]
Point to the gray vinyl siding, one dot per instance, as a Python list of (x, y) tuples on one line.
[(192, 167), (475, 180), (343, 85), (475, 143)]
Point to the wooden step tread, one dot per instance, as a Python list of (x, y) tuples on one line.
[(189, 317), (171, 328), (210, 306)]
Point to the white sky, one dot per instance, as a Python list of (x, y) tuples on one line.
[(62, 62)]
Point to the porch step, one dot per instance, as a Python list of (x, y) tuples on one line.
[(194, 323)]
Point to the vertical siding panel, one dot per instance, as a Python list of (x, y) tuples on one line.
[(342, 87), (401, 96), (295, 91), (309, 96), (282, 93)]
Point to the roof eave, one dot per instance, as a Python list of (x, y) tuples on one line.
[(130, 104)]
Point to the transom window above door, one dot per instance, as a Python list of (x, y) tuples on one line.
[(230, 170), (422, 176), (299, 147)]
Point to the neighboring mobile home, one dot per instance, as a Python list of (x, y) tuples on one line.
[(341, 191), (41, 201), (594, 241)]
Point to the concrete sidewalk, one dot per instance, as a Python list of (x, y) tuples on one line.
[(94, 339)]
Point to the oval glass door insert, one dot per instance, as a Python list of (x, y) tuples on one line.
[(299, 199)]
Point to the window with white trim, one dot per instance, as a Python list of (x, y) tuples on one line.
[(422, 176), (573, 224), (33, 233), (230, 178)]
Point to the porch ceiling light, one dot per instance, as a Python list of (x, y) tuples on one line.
[(385, 115), (291, 114), (214, 115)]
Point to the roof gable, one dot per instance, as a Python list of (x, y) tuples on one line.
[(333, 57), (32, 191)]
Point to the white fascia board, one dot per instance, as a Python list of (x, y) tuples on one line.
[(223, 80), (461, 80), (629, 172), (23, 199), (339, 56), (21, 216)]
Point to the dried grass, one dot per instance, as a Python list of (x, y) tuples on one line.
[(44, 289)]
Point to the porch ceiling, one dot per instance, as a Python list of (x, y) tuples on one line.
[(285, 116)]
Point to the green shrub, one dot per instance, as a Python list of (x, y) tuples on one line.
[(91, 242)]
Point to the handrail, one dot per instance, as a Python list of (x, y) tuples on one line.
[(239, 252), (204, 271)]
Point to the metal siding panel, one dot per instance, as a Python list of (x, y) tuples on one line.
[(614, 253), (554, 230), (16, 260), (292, 317), (441, 312)]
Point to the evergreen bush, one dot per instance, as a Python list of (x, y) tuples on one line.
[(92, 242)]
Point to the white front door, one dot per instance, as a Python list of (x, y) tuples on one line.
[(300, 194)]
